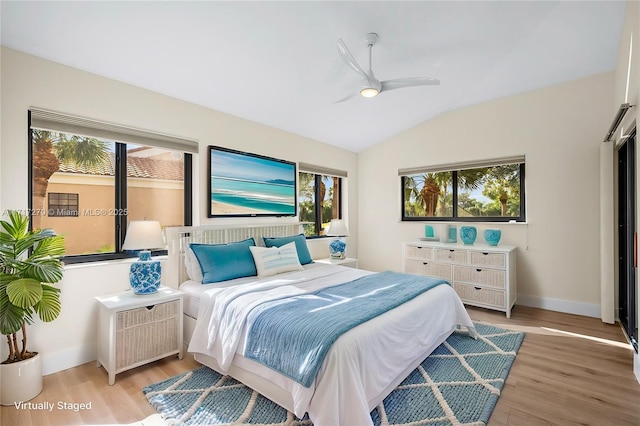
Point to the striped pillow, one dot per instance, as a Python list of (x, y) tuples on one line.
[(276, 260)]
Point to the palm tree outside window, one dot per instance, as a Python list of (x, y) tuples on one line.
[(319, 201), (489, 194), (112, 183)]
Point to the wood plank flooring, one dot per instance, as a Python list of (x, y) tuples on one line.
[(570, 370)]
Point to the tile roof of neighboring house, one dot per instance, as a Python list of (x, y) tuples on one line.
[(139, 167)]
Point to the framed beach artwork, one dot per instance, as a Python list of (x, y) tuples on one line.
[(245, 184)]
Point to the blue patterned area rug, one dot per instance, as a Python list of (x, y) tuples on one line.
[(459, 383)]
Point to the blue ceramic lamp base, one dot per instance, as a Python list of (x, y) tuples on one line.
[(337, 248), (144, 274)]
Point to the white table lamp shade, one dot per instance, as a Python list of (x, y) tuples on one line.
[(144, 274), (337, 228), (143, 235)]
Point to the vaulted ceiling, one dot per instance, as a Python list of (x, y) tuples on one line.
[(277, 63)]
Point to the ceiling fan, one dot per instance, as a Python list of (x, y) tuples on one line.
[(371, 85)]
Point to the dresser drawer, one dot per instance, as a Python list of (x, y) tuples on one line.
[(485, 296), (417, 252), (146, 341), (147, 314), (451, 255), (432, 269), (496, 260), (496, 278)]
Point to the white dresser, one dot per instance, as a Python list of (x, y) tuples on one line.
[(482, 275)]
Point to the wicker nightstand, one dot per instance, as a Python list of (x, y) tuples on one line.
[(136, 329)]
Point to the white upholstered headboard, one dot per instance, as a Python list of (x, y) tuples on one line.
[(179, 238)]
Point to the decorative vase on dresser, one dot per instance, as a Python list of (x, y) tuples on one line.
[(482, 276), (492, 236), (468, 234)]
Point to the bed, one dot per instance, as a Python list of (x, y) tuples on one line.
[(360, 368)]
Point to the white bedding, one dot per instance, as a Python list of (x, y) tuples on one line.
[(362, 366)]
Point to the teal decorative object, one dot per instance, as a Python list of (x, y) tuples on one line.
[(468, 234), (453, 232), (428, 231), (492, 236)]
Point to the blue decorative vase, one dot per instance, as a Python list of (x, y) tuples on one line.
[(492, 236), (468, 234), (144, 274), (453, 231)]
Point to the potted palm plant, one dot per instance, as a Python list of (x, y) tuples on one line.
[(29, 265)]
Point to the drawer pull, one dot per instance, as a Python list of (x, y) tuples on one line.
[(478, 288), (150, 307), (451, 250), (485, 253), (479, 270), (425, 263)]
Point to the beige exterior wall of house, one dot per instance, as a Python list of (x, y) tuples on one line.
[(93, 229)]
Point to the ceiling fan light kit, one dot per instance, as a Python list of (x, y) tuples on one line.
[(369, 92), (373, 86)]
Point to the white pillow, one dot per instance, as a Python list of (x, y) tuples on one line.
[(276, 260), (194, 271)]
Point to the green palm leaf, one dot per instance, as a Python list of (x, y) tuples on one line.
[(44, 270), (24, 293), (49, 306), (49, 247), (11, 316)]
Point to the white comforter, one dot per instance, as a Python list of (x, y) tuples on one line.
[(363, 365)]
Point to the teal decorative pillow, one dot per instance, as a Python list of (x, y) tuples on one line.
[(221, 262), (301, 246), (276, 260)]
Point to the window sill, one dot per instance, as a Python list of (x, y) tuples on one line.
[(95, 263)]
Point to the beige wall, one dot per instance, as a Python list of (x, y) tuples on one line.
[(559, 130), (27, 81)]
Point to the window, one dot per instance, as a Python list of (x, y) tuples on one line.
[(319, 198), (491, 191), (117, 181), (62, 205)]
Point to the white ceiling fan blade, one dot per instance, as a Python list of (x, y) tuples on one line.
[(399, 83), (346, 98), (350, 60)]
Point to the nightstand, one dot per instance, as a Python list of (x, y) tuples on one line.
[(347, 261), (136, 329)]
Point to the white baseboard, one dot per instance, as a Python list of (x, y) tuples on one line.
[(68, 358), (636, 366), (560, 305)]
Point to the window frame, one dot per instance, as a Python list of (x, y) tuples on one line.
[(318, 206), (454, 216), (120, 201), (59, 207)]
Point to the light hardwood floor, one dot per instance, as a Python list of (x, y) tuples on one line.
[(570, 370)]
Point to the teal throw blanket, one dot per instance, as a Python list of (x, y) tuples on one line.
[(292, 335)]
